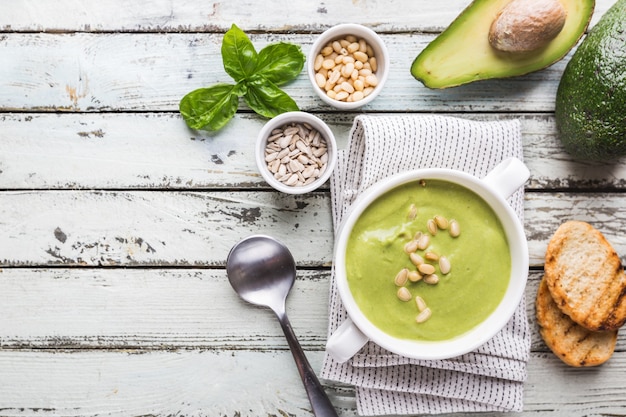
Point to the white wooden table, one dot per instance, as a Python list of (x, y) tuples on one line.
[(115, 219)]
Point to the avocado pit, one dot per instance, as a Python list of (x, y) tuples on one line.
[(527, 25)]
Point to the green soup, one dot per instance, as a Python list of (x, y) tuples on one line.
[(479, 257)]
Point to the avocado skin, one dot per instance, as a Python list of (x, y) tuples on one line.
[(591, 99)]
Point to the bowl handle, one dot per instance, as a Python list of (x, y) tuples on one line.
[(346, 341), (507, 176)]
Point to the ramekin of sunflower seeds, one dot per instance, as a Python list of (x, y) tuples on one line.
[(296, 152)]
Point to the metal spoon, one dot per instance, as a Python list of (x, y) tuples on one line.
[(262, 271)]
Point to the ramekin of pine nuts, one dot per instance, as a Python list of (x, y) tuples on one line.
[(296, 152), (348, 65)]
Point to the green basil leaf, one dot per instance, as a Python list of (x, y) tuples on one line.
[(280, 62), (266, 99), (238, 54), (210, 108)]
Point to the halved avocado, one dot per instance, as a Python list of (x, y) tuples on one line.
[(462, 53)]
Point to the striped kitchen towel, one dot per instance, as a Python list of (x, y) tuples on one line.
[(490, 378)]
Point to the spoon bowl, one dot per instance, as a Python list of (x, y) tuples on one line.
[(262, 271)]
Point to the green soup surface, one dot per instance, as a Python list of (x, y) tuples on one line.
[(479, 257)]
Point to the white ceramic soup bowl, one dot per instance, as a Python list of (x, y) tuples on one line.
[(494, 189)]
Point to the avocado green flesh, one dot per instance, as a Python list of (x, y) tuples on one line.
[(479, 256), (462, 53), (591, 98)]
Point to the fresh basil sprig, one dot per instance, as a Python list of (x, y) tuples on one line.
[(257, 77)]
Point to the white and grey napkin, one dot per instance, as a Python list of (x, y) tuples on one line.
[(489, 378)]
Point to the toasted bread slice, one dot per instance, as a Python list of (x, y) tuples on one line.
[(572, 343), (585, 277)]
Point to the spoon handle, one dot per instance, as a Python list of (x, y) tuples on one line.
[(322, 407)]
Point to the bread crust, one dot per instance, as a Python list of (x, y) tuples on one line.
[(571, 342), (585, 277)]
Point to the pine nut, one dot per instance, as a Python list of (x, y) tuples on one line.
[(345, 66), (431, 279), (444, 265), (431, 256), (328, 64), (371, 80), (342, 95), (410, 247), (414, 276), (347, 70), (347, 87), (361, 56), (421, 304), (416, 260), (327, 50), (454, 228), (358, 95), (426, 269), (424, 315), (373, 63), (431, 226), (317, 65), (320, 80), (423, 242), (442, 222), (404, 294), (401, 277)]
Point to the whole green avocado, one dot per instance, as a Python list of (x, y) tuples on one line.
[(591, 98)]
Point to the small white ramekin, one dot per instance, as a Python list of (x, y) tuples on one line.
[(285, 119), (339, 32)]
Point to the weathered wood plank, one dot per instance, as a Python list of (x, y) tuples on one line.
[(157, 150), (82, 72), (153, 309), (191, 16), (139, 228), (163, 228), (210, 383)]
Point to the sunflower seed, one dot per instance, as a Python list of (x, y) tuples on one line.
[(296, 149)]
